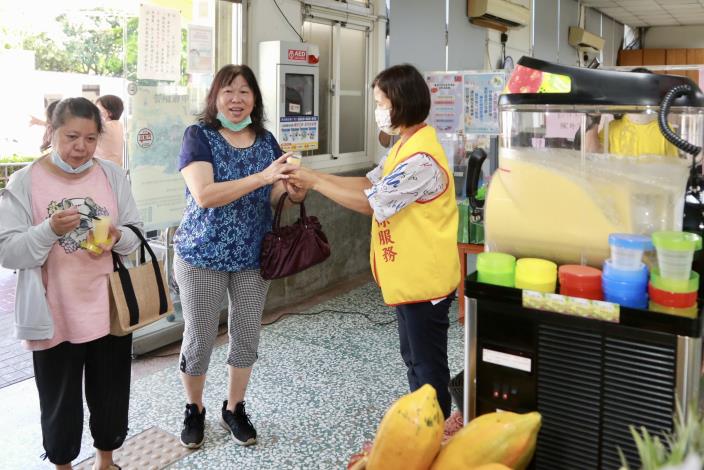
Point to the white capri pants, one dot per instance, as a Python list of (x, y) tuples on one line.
[(202, 292)]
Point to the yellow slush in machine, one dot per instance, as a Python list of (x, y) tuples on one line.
[(584, 153)]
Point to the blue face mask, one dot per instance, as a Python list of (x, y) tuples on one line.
[(233, 126), (56, 160)]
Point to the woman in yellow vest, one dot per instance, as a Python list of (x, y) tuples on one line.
[(411, 198), (631, 135)]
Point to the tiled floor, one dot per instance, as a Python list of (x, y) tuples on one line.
[(318, 391), (15, 361)]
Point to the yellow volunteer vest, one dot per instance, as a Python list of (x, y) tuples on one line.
[(629, 138), (414, 253)]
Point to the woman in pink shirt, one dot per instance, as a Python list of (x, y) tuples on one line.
[(112, 140), (62, 307)]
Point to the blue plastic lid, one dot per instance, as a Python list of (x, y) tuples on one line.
[(636, 276), (624, 289), (631, 240), (627, 301)]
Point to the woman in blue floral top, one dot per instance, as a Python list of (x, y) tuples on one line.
[(234, 171)]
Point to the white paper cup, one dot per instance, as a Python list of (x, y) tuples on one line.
[(294, 158), (101, 229)]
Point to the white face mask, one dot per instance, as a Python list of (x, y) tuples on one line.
[(60, 163), (383, 121)]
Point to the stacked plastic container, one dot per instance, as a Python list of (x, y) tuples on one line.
[(580, 281), (673, 285), (625, 276), (536, 274), (496, 268)]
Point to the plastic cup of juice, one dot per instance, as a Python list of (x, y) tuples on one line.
[(294, 158), (101, 229)]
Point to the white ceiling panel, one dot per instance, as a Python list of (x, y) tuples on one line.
[(651, 12)]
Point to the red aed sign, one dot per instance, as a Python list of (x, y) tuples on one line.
[(297, 54)]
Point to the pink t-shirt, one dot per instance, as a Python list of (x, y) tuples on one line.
[(111, 142), (76, 283)]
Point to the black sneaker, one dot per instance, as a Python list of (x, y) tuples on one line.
[(238, 424), (193, 432)]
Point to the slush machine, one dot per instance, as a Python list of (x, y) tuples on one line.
[(585, 153)]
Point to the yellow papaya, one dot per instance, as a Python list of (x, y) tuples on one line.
[(409, 435), (502, 437), (492, 466)]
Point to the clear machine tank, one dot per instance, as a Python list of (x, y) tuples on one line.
[(582, 155)]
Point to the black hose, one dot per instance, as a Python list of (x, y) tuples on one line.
[(667, 132)]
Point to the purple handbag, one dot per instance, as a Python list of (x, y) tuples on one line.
[(291, 249)]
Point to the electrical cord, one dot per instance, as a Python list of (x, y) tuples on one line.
[(287, 21)]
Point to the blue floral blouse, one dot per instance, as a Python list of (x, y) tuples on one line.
[(226, 238)]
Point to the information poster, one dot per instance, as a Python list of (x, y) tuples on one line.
[(446, 109), (562, 125), (481, 101), (159, 118), (298, 133), (200, 49), (159, 43)]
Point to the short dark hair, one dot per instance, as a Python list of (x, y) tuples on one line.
[(641, 70), (70, 108), (112, 104), (223, 78), (410, 98)]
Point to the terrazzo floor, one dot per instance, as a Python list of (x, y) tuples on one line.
[(318, 391)]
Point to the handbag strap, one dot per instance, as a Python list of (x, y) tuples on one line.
[(280, 209), (128, 288)]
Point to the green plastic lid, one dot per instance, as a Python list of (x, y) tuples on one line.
[(674, 285), (495, 262), (677, 241)]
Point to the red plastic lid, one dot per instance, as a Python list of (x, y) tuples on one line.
[(672, 299), (580, 277), (593, 294)]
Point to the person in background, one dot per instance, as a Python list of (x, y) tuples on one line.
[(411, 197), (111, 145), (34, 121), (632, 134), (234, 171), (62, 309)]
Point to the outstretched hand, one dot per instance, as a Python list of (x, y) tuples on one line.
[(303, 179), (276, 171), (295, 193)]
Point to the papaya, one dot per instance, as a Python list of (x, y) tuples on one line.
[(492, 466), (502, 437), (409, 435)]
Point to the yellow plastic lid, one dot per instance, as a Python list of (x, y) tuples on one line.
[(536, 270)]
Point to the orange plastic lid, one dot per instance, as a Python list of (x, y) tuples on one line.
[(580, 277)]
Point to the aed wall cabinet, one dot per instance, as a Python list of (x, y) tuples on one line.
[(288, 78)]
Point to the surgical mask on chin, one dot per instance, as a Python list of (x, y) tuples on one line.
[(58, 161), (233, 126), (383, 121)]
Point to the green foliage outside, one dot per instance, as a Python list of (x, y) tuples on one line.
[(97, 43), (7, 170)]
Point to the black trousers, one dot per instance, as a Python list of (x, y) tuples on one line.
[(59, 373), (422, 330)]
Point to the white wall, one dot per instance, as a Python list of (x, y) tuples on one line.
[(265, 23), (517, 46), (675, 37)]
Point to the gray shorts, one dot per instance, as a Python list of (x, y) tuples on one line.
[(202, 293)]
